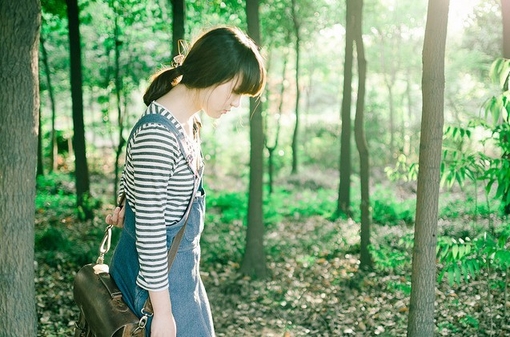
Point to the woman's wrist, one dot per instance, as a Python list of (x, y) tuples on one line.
[(161, 303)]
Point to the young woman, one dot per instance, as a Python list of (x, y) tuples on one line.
[(162, 180)]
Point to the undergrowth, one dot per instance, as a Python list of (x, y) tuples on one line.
[(315, 287)]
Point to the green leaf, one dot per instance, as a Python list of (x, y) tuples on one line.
[(455, 251)]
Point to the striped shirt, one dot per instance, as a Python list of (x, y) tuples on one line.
[(158, 182)]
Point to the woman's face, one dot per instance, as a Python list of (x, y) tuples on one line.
[(220, 99)]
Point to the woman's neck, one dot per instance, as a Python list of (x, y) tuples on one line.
[(183, 103)]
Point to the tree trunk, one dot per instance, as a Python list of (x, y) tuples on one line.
[(423, 280), (409, 141), (361, 142), (19, 94), (47, 71), (81, 168), (254, 260), (295, 135), (505, 13), (344, 189), (120, 115), (178, 18), (271, 149), (391, 112), (40, 165)]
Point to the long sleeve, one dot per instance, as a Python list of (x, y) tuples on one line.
[(158, 182), (154, 154)]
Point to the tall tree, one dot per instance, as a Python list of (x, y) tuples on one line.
[(271, 149), (20, 22), (178, 18), (423, 280), (47, 72), (505, 14), (344, 189), (81, 168), (361, 142), (254, 259), (118, 93), (295, 136)]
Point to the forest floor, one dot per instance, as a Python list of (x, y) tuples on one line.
[(311, 289)]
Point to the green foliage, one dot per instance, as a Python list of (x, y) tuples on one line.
[(307, 203), (462, 163), (229, 206), (87, 206), (454, 207), (464, 259), (59, 235), (393, 256), (226, 217), (323, 139), (54, 191), (387, 210), (58, 244), (458, 257), (500, 73), (460, 260), (471, 321)]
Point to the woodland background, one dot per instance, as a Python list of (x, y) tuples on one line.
[(334, 252)]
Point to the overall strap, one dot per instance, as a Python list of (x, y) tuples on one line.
[(147, 310), (160, 119)]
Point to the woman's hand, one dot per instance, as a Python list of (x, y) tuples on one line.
[(117, 217), (163, 325)]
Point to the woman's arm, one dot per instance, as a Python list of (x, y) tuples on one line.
[(163, 322)]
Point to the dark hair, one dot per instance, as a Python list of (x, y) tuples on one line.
[(218, 56)]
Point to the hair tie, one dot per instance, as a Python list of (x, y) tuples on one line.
[(177, 61)]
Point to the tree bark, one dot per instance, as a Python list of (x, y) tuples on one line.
[(47, 71), (295, 135), (423, 280), (254, 260), (361, 142), (40, 165), (178, 19), (505, 14), (81, 168), (271, 149), (505, 11), (344, 189), (20, 22), (120, 115)]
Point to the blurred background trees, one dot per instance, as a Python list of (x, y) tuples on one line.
[(319, 89), (124, 42)]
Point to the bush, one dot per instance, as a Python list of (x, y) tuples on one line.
[(387, 210)]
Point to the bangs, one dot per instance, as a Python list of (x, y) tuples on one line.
[(251, 79)]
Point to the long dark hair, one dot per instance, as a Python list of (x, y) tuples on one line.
[(218, 56)]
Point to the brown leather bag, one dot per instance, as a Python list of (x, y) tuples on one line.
[(102, 310)]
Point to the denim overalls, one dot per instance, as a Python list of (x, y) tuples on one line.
[(190, 305)]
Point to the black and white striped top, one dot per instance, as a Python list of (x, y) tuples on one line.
[(158, 182)]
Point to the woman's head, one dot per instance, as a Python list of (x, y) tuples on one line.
[(218, 56)]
